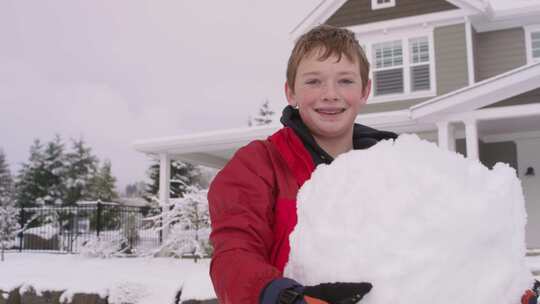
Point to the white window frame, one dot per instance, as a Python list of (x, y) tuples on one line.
[(376, 5), (528, 42), (368, 41)]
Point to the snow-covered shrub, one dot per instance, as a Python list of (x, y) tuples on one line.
[(97, 247), (185, 225), (9, 226), (130, 231)]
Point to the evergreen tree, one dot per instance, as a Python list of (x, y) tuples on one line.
[(30, 180), (54, 169), (182, 176), (81, 167), (137, 189), (265, 115), (6, 181), (102, 185)]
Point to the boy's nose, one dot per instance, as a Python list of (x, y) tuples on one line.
[(330, 93)]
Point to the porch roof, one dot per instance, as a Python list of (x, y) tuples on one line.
[(480, 94)]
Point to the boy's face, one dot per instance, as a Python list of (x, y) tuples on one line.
[(329, 95)]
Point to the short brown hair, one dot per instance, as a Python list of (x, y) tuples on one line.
[(334, 41)]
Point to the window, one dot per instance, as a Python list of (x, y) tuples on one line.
[(402, 66), (378, 4), (419, 50), (535, 45), (388, 70)]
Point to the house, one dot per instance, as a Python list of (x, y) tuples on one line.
[(462, 73)]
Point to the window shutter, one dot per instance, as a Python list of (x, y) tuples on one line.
[(420, 79), (388, 81), (535, 40)]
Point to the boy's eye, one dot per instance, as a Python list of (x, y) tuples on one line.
[(312, 81), (346, 81)]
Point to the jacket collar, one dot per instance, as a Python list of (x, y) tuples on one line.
[(363, 136)]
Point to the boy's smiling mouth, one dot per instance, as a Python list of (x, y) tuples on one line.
[(330, 111)]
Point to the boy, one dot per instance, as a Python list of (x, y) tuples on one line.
[(253, 199)]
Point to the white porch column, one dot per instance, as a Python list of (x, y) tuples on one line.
[(446, 139), (164, 178), (471, 135), (470, 51)]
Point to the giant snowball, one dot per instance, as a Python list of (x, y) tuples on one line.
[(423, 225)]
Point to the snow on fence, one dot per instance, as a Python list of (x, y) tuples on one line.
[(69, 229)]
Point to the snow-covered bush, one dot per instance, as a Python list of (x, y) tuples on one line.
[(185, 225), (115, 245), (96, 247), (9, 226), (130, 232)]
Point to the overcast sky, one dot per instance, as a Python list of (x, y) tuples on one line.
[(116, 71)]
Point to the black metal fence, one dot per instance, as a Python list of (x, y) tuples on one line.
[(69, 229)]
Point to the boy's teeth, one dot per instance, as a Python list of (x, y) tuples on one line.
[(336, 111)]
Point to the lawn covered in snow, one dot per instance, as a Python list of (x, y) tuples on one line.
[(131, 280), (137, 280)]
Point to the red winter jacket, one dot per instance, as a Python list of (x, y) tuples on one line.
[(253, 211)]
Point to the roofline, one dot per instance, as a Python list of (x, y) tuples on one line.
[(481, 6), (322, 11), (192, 142), (317, 15)]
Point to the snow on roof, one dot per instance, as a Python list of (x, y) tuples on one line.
[(92, 203)]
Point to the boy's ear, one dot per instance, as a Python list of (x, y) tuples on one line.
[(289, 94), (367, 90)]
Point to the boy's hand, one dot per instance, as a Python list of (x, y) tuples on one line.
[(327, 293)]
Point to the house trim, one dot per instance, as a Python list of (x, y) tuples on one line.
[(409, 23)]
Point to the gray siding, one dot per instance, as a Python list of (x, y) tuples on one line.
[(355, 12), (525, 98), (391, 106), (499, 52), (450, 58)]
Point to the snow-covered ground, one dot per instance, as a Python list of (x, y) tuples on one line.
[(124, 280), (139, 280)]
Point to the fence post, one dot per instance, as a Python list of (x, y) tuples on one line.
[(21, 222), (98, 218), (161, 225)]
